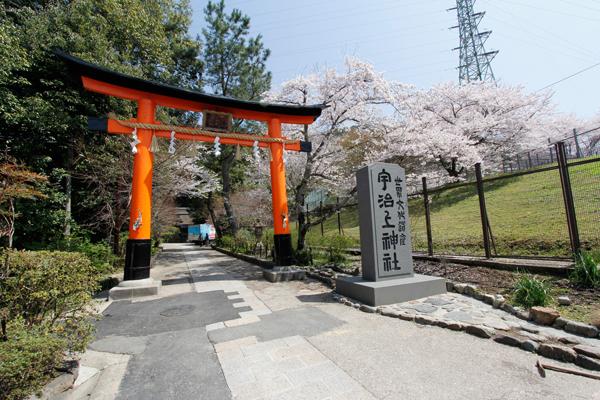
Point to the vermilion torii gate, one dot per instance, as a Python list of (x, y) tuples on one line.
[(149, 95)]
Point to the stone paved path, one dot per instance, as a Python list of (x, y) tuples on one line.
[(467, 310), (219, 331)]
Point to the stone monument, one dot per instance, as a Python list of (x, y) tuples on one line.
[(386, 251)]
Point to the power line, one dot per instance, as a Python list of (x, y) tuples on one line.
[(514, 17), (553, 11), (569, 77)]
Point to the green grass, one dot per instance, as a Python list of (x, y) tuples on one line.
[(526, 214)]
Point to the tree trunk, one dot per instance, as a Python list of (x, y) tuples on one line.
[(213, 217), (226, 165), (301, 216), (11, 222)]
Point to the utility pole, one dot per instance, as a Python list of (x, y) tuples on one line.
[(474, 61)]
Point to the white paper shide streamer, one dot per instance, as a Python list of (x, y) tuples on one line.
[(135, 141), (217, 147), (256, 151), (172, 143)]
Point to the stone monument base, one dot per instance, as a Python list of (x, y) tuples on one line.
[(135, 288), (389, 291)]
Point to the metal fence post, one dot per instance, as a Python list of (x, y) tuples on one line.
[(565, 182), (483, 212), (427, 217)]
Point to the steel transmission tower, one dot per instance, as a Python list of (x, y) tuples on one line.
[(475, 62)]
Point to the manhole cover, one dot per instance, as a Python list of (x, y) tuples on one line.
[(177, 311)]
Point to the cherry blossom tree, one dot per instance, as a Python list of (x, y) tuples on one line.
[(354, 101), (450, 127)]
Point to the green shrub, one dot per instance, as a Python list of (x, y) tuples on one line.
[(336, 246), (586, 272), (51, 289), (227, 242), (100, 254), (530, 291), (45, 313), (27, 359), (244, 241)]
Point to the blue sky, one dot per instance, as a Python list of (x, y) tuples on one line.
[(540, 41)]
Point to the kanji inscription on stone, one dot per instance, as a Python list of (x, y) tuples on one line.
[(384, 226)]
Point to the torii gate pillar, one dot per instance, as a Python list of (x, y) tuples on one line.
[(281, 226), (139, 245)]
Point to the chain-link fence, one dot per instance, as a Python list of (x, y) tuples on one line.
[(526, 215), (584, 177), (550, 209)]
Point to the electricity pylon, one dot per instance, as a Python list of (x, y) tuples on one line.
[(474, 62)]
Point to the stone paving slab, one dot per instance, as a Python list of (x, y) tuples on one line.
[(305, 321), (188, 310), (284, 368), (457, 307), (175, 365)]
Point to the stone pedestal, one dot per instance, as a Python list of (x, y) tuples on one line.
[(389, 291), (135, 288)]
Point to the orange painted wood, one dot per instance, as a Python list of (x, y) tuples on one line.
[(116, 128), (281, 223), (141, 186)]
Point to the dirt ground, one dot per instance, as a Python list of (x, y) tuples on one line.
[(584, 301)]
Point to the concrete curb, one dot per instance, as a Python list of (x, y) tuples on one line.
[(244, 257)]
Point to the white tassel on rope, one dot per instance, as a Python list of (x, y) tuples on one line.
[(154, 147), (135, 141), (172, 143), (217, 147), (255, 151)]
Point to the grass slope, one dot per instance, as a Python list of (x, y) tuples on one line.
[(526, 214)]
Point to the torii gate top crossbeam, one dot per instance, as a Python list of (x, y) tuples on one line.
[(105, 81)]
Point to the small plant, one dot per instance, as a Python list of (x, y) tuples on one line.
[(586, 272), (530, 291), (226, 241), (336, 248)]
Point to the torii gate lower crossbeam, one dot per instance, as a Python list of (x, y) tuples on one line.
[(148, 96)]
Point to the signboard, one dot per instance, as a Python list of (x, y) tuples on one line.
[(384, 226), (216, 121), (193, 232)]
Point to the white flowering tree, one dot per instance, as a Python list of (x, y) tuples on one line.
[(449, 127), (354, 99)]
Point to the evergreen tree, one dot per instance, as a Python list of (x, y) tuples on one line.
[(42, 110), (235, 66)]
